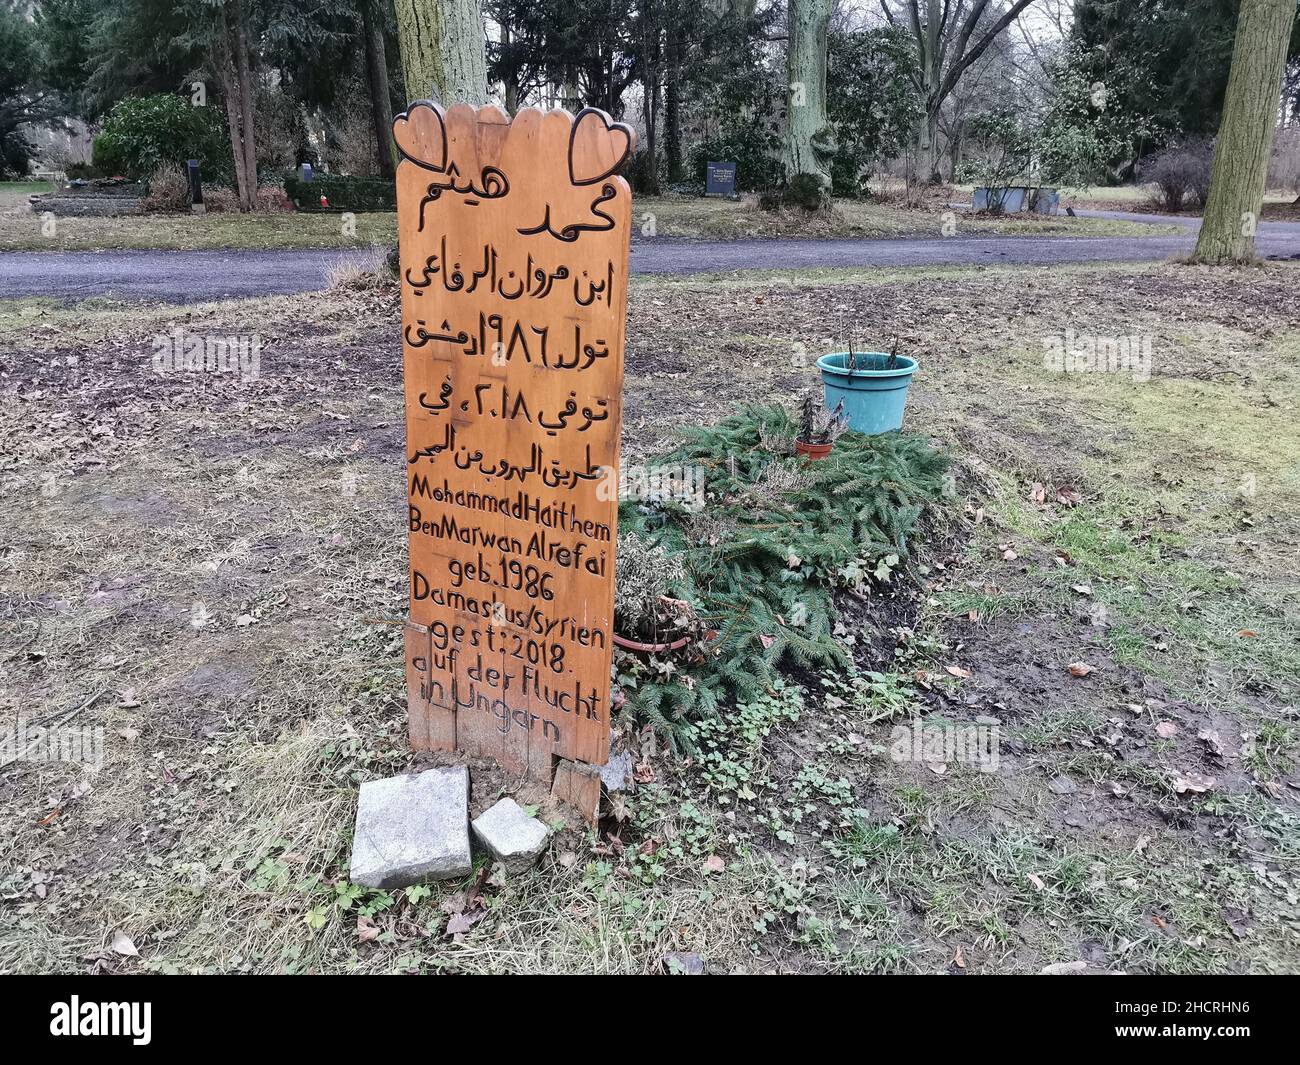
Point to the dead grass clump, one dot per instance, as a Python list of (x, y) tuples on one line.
[(169, 190), (362, 273)]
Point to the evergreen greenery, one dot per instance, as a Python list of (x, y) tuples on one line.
[(776, 536), (341, 192)]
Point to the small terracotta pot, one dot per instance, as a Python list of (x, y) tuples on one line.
[(813, 452)]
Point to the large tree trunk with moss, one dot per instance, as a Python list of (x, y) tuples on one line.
[(1245, 140), (807, 132), (381, 104), (930, 56), (442, 50)]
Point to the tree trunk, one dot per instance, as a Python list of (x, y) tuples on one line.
[(381, 103), (512, 75), (930, 60), (927, 148), (673, 108), (231, 97), (442, 50), (956, 139), (225, 65), (1245, 140), (247, 113), (650, 109), (570, 99), (652, 54), (807, 133)]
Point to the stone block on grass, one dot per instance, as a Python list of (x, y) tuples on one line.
[(510, 834), (411, 828)]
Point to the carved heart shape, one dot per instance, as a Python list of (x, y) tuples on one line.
[(421, 136), (597, 146)]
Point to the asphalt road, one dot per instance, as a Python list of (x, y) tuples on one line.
[(196, 276)]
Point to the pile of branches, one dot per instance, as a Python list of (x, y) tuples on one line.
[(761, 557)]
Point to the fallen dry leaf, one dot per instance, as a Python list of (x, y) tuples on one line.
[(1079, 669), (460, 923), (1063, 968), (121, 944), (1191, 782), (1210, 737), (958, 671)]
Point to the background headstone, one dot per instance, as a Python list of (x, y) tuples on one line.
[(196, 186), (720, 179)]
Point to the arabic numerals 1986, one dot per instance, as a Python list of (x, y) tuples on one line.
[(529, 579)]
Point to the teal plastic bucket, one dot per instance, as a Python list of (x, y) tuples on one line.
[(873, 396)]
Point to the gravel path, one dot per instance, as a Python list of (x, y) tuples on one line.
[(196, 276)]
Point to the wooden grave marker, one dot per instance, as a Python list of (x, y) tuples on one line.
[(514, 242)]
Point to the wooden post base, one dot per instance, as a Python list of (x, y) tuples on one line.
[(431, 720), (578, 784)]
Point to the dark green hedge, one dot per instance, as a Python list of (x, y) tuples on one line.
[(342, 193)]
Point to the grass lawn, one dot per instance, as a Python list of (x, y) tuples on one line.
[(665, 217), (212, 571), (719, 219), (1141, 198), (311, 229), (14, 193)]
